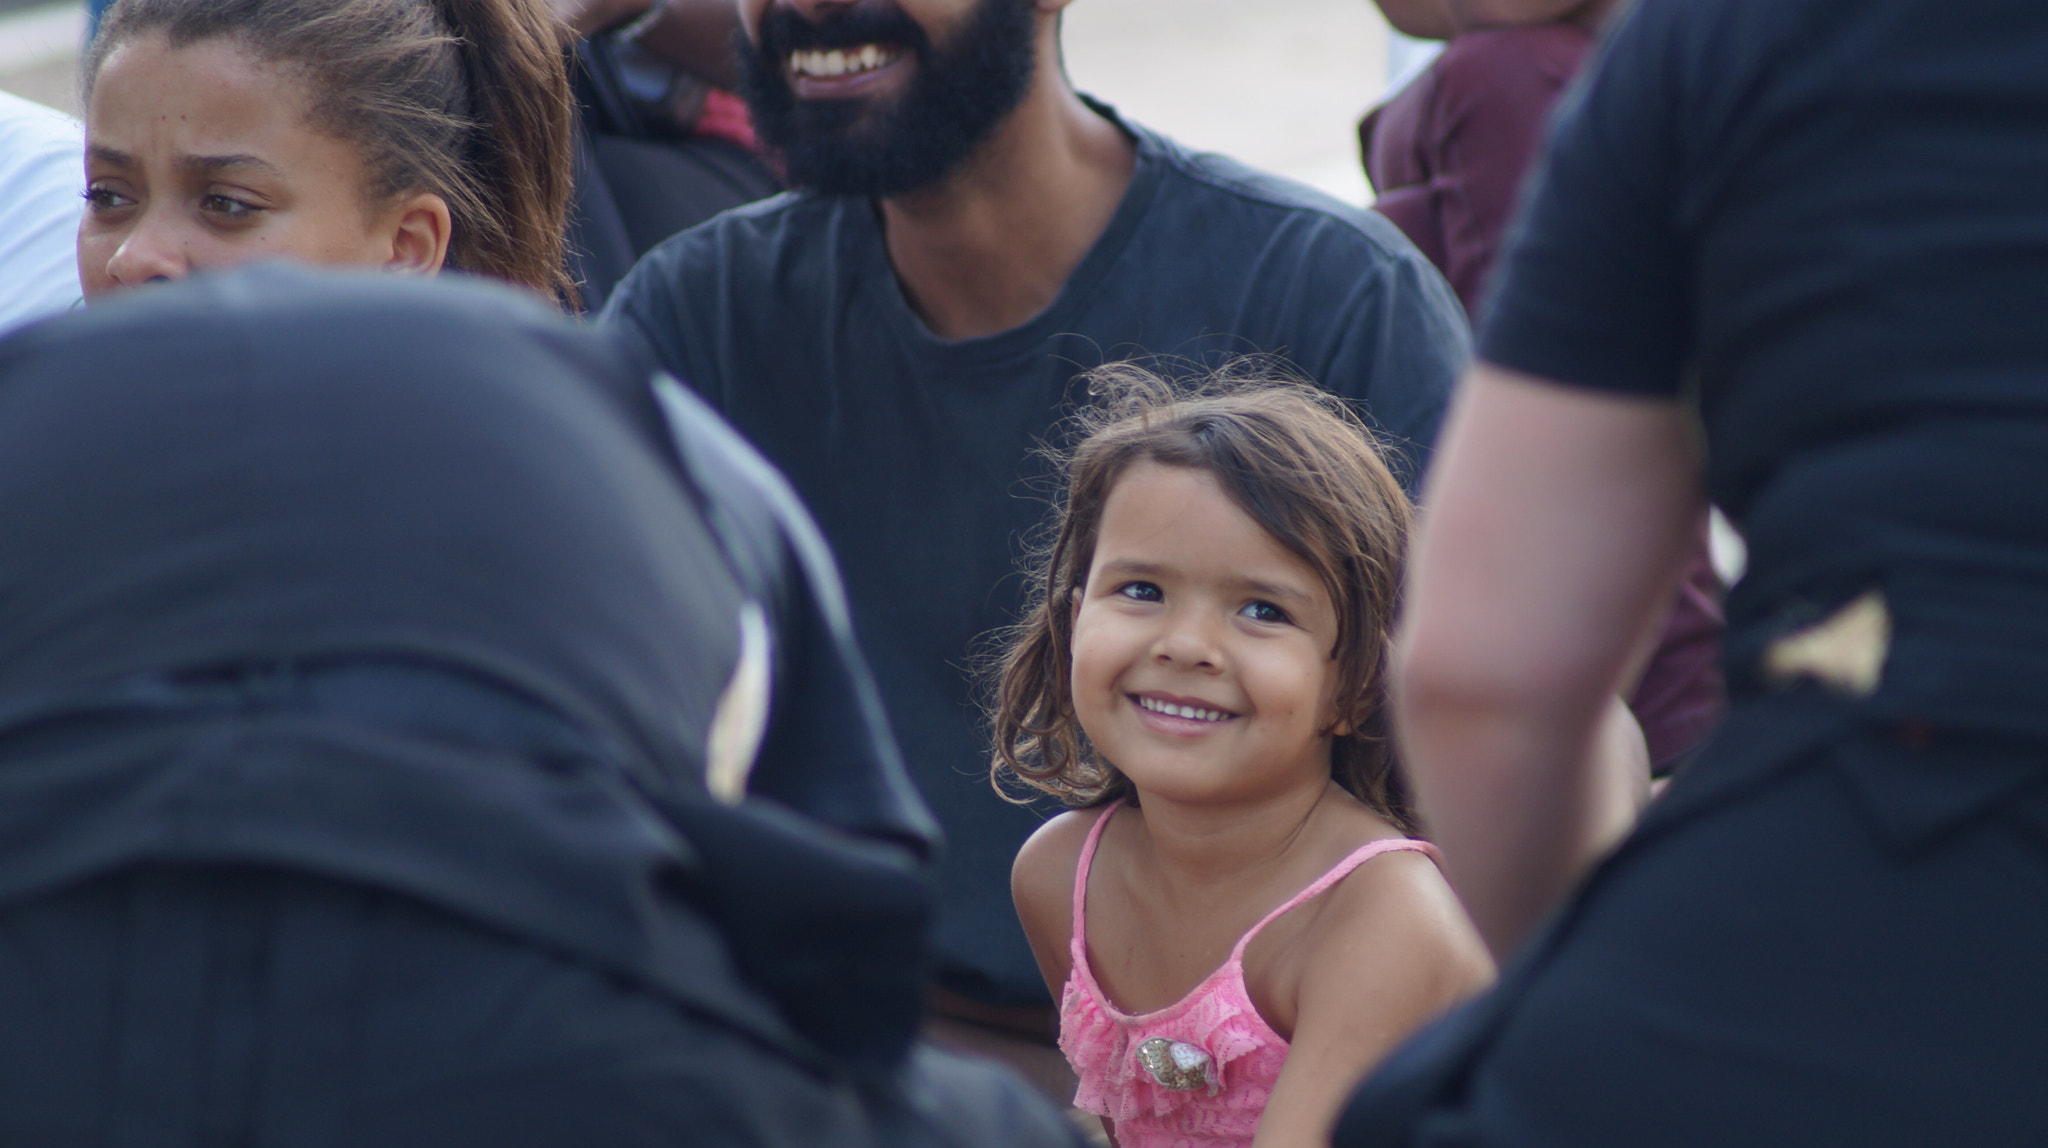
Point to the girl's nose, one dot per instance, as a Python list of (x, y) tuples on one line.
[(1189, 639), (149, 253)]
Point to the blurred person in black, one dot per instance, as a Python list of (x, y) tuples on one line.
[(1788, 254), (419, 728)]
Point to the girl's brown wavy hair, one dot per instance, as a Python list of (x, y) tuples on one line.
[(1302, 465)]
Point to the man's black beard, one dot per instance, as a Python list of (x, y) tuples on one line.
[(955, 100)]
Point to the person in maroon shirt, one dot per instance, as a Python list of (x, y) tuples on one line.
[(1447, 155)]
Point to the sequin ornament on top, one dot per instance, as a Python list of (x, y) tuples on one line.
[(1179, 1065)]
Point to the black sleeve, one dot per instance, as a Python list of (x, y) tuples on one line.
[(1595, 287), (642, 312), (827, 750)]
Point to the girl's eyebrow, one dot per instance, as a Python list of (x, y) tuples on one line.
[(193, 163), (1274, 590), (204, 163)]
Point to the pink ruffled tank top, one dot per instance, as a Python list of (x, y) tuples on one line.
[(1197, 1073)]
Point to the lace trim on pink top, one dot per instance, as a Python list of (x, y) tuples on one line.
[(1217, 1016)]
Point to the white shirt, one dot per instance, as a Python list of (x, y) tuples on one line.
[(42, 176)]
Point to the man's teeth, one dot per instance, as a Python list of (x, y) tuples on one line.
[(1172, 710), (839, 61)]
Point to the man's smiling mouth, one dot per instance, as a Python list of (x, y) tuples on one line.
[(836, 62), (1171, 709)]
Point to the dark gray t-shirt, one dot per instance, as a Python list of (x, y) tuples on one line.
[(916, 454)]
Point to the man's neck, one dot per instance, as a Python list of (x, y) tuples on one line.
[(990, 246)]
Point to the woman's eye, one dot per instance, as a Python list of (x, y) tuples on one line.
[(1140, 592), (228, 208), (99, 197), (1264, 612)]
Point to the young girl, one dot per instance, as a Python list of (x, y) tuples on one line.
[(403, 134), (1234, 922)]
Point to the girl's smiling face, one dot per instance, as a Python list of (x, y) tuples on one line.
[(1202, 663), (203, 156)]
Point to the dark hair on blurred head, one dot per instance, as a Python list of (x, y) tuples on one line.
[(467, 99), (1300, 463)]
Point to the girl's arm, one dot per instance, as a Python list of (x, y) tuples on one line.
[(1042, 887), (1556, 521), (1390, 949)]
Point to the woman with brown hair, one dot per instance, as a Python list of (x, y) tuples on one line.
[(408, 134)]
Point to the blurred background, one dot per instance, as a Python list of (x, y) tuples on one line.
[(39, 44), (1279, 84)]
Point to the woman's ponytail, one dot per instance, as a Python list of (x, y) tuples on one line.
[(517, 161)]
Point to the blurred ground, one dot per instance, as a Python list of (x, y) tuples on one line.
[(39, 51), (1277, 83)]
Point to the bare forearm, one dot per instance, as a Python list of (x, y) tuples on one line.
[(1522, 804), (1550, 534)]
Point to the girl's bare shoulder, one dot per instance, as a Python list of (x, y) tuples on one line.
[(1042, 887), (1398, 913), (1043, 874)]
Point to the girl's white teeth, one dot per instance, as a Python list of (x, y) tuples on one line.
[(1172, 710), (839, 61)]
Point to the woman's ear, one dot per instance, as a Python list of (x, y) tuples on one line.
[(419, 227)]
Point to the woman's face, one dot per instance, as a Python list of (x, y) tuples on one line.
[(203, 156)]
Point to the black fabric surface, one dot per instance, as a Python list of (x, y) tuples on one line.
[(1827, 932), (633, 193), (1823, 221), (916, 453), (184, 1006), (403, 583), (1827, 220)]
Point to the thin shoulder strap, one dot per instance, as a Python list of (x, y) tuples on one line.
[(1337, 873), (1081, 869)]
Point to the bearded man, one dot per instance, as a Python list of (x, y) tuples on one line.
[(902, 332)]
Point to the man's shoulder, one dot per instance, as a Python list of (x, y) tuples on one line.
[(785, 247), (762, 231), (1266, 206)]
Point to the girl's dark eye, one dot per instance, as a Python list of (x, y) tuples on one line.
[(1140, 592), (1264, 612), (228, 208), (100, 198)]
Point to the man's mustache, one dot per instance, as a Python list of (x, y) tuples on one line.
[(782, 31)]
